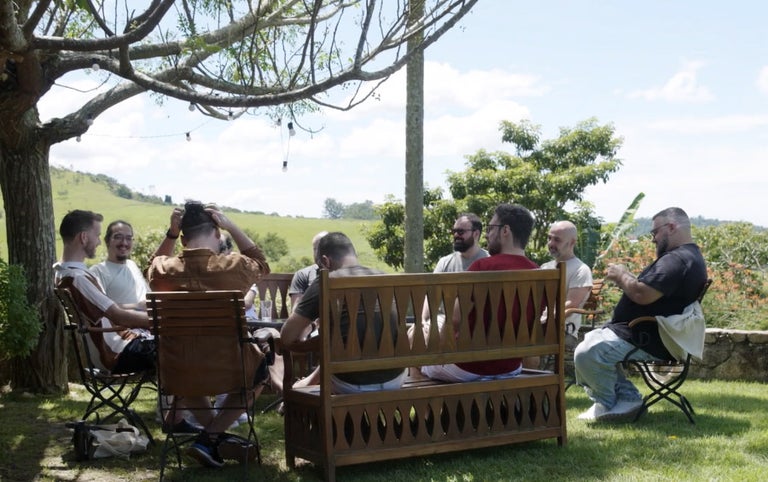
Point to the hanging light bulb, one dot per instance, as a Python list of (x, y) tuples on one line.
[(189, 137), (95, 66), (285, 166), (279, 122), (191, 107), (230, 116), (89, 120), (78, 138), (291, 130)]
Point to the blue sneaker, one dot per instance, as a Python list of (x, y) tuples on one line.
[(205, 453)]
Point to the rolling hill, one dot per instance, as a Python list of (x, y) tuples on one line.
[(76, 190)]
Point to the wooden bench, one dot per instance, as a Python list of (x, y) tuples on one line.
[(275, 287), (424, 416)]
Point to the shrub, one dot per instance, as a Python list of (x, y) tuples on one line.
[(19, 322)]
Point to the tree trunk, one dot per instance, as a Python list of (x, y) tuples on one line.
[(26, 187), (414, 154)]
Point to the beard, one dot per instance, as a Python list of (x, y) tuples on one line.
[(462, 246), (121, 257), (661, 246), (494, 248)]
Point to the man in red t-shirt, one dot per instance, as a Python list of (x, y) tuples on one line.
[(507, 236)]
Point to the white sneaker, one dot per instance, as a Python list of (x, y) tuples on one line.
[(624, 409), (594, 412)]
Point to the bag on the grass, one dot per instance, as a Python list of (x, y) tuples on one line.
[(101, 441)]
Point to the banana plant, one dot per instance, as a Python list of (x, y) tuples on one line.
[(625, 224)]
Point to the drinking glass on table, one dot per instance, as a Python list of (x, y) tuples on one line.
[(266, 310)]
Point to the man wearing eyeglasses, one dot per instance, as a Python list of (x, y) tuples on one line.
[(121, 278), (466, 245), (466, 233), (507, 235), (672, 282)]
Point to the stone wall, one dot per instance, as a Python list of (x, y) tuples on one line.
[(733, 355)]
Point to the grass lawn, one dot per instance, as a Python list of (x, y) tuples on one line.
[(728, 442)]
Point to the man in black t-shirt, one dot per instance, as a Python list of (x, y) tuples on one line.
[(664, 288), (336, 253)]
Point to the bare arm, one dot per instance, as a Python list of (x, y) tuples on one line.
[(637, 291), (249, 297), (127, 318), (576, 297), (168, 245), (294, 330), (295, 298)]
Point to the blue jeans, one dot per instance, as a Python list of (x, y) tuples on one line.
[(597, 366)]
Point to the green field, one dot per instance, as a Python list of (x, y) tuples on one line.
[(73, 190)]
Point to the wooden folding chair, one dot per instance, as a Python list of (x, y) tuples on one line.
[(110, 391), (665, 377), (591, 311), (203, 349)]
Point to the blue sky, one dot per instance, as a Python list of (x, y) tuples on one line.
[(684, 83)]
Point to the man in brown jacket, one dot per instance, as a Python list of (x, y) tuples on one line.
[(200, 267)]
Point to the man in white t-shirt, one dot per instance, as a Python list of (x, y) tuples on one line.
[(561, 242), (119, 276)]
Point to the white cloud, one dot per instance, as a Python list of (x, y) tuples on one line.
[(762, 80), (681, 87), (711, 125)]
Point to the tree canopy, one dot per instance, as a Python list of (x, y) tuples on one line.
[(548, 177), (225, 58)]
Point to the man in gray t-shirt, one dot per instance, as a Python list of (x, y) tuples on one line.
[(466, 233), (466, 245)]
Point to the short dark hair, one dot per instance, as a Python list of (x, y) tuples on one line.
[(336, 246), (674, 214), (77, 221), (111, 226), (477, 223), (196, 221), (519, 219)]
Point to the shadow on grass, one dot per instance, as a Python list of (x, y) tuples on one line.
[(35, 445)]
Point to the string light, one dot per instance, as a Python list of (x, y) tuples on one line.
[(89, 119), (189, 137), (95, 65), (191, 107), (230, 116), (285, 165), (78, 138), (291, 130)]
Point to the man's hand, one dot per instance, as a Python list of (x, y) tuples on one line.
[(615, 272), (219, 218), (175, 227)]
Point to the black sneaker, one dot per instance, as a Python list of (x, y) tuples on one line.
[(205, 452)]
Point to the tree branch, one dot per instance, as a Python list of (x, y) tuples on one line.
[(86, 45)]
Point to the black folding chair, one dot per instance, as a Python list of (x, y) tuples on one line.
[(665, 377), (113, 392)]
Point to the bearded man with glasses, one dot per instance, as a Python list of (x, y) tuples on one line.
[(672, 282)]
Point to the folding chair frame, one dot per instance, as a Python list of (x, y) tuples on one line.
[(107, 390), (664, 378)]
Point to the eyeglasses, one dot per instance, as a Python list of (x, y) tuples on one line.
[(488, 228), (656, 230), (461, 232)]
